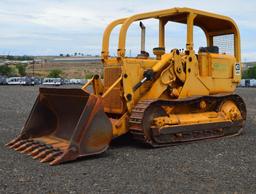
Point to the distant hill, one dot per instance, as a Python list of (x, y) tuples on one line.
[(76, 66), (72, 67)]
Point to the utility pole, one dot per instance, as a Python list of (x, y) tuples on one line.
[(34, 67)]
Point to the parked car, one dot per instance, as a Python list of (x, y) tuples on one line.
[(66, 81), (242, 83), (52, 81), (26, 81), (75, 81), (3, 80), (19, 81), (14, 81), (83, 81), (36, 80), (250, 83)]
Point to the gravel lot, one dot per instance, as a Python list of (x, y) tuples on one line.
[(214, 166)]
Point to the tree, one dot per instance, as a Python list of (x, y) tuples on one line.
[(21, 69), (19, 58), (10, 57), (55, 73), (250, 73), (6, 70)]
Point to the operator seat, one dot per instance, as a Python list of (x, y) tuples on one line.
[(209, 49)]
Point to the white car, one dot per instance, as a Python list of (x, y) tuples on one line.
[(242, 83), (52, 81), (14, 81), (252, 82), (75, 81)]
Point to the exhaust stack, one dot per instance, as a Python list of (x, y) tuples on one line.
[(143, 37)]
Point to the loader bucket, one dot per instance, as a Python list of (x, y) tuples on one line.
[(64, 124)]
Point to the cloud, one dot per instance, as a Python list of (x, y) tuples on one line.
[(53, 26)]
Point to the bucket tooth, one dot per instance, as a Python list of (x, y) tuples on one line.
[(23, 146), (56, 160), (17, 144), (43, 153), (30, 151), (30, 148), (38, 150), (12, 142), (50, 157)]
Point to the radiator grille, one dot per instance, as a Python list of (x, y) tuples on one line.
[(113, 102)]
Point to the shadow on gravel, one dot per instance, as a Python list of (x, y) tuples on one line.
[(126, 140), (86, 158), (118, 143)]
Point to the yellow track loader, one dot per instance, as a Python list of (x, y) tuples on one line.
[(175, 96)]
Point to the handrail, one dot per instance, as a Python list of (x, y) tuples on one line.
[(87, 84), (106, 37)]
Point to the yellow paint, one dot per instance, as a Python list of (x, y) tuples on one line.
[(176, 74)]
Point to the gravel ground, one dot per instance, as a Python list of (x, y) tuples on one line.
[(214, 166)]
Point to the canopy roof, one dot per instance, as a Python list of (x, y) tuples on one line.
[(209, 22), (212, 24)]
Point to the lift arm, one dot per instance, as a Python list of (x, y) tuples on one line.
[(149, 74)]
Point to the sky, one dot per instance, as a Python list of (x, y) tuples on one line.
[(51, 27)]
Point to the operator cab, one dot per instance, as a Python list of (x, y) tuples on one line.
[(215, 60)]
